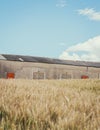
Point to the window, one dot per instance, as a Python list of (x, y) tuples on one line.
[(38, 75), (66, 76)]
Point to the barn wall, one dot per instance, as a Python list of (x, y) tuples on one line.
[(50, 71)]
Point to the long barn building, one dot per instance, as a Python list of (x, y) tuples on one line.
[(29, 67)]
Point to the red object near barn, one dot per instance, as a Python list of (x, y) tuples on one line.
[(84, 77), (10, 75)]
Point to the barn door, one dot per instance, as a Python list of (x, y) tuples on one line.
[(10, 75)]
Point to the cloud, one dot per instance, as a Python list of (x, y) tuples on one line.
[(90, 13), (61, 3), (86, 51)]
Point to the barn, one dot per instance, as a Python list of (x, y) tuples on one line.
[(30, 67)]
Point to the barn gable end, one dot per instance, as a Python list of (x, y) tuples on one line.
[(2, 57)]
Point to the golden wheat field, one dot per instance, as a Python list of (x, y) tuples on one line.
[(49, 104)]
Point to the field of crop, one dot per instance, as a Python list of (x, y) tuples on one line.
[(49, 104)]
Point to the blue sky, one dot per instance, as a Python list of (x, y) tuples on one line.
[(66, 29)]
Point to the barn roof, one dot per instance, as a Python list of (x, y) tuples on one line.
[(22, 58)]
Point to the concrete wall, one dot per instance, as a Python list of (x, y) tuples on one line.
[(46, 71)]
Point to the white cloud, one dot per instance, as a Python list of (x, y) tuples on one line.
[(90, 13), (86, 51), (61, 3)]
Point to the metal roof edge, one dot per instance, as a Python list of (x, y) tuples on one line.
[(36, 59)]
